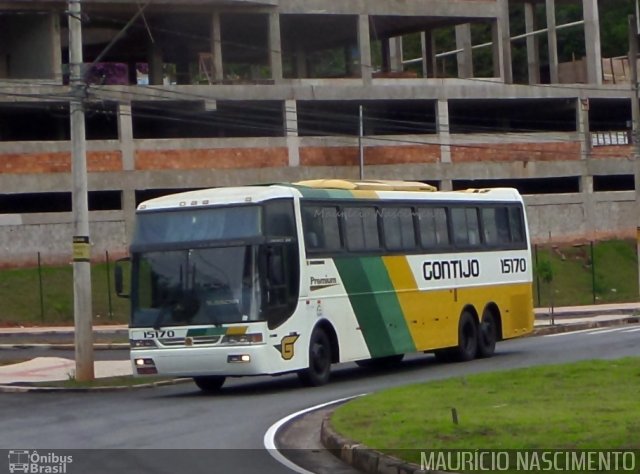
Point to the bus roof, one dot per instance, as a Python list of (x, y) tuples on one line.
[(326, 189)]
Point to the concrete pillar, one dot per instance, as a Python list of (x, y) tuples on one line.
[(552, 39), (127, 149), (442, 127), (364, 47), (395, 54), (496, 51), (582, 125), (586, 179), (465, 58), (503, 43), (275, 47), (216, 47), (156, 74), (429, 65), (592, 41), (291, 128), (533, 50), (56, 47), (125, 135), (589, 204), (446, 184)]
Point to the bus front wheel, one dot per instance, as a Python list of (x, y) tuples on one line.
[(467, 338), (210, 383), (319, 368)]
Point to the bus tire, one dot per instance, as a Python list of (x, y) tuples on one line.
[(209, 383), (319, 368), (487, 335), (467, 348)]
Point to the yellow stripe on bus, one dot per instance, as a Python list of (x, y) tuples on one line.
[(236, 330), (421, 309), (432, 316)]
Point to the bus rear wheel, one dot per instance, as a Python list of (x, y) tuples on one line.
[(467, 348), (319, 368), (209, 383), (487, 335)]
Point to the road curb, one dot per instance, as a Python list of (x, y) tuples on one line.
[(362, 458), (24, 388), (559, 328)]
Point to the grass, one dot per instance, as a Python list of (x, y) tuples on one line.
[(577, 281), (21, 296), (581, 405)]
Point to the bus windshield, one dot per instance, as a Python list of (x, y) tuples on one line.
[(197, 225), (196, 286)]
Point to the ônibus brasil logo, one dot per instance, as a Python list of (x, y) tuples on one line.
[(32, 462)]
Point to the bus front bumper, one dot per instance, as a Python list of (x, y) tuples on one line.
[(202, 361)]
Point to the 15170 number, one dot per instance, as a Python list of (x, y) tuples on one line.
[(513, 265), (159, 334)]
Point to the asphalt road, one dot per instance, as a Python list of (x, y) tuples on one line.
[(228, 428)]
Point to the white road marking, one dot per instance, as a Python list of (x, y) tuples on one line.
[(270, 436), (605, 331), (568, 333), (632, 330), (594, 331)]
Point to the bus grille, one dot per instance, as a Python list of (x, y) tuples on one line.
[(189, 341)]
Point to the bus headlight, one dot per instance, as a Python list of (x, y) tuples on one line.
[(234, 358), (145, 366), (237, 339)]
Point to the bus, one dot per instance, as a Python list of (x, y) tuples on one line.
[(273, 279)]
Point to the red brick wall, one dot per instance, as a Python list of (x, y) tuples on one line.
[(223, 158), (557, 151), (618, 151), (382, 155), (57, 162)]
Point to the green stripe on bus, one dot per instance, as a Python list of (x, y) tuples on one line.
[(376, 305), (196, 332)]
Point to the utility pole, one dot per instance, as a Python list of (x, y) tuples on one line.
[(635, 124), (82, 313), (360, 144)]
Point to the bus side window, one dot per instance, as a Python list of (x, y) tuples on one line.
[(397, 223), (321, 228), (516, 224), (361, 226), (466, 231), (433, 227), (495, 225), (279, 218)]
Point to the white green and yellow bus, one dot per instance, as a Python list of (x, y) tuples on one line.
[(283, 278)]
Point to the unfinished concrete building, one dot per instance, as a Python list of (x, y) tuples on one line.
[(188, 94)]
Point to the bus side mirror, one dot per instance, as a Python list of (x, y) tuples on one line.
[(118, 272)]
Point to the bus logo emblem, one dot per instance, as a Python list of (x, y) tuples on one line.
[(286, 346)]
